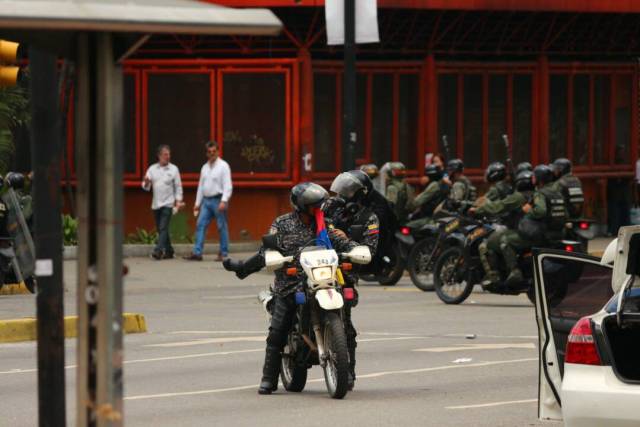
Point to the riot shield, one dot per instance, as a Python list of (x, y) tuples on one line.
[(19, 231)]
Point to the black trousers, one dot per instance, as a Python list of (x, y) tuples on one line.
[(163, 218)]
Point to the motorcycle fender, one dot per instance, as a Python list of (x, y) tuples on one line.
[(454, 239), (329, 299), (405, 240)]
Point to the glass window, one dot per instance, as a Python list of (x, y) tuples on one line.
[(178, 115), (497, 117), (129, 118), (382, 118), (448, 111), (622, 116), (601, 103), (408, 122), (473, 120), (521, 141), (324, 111), (254, 121), (558, 92), (581, 119)]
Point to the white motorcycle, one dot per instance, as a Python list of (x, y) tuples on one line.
[(317, 336)]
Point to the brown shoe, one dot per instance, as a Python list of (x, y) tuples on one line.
[(220, 258), (193, 257)]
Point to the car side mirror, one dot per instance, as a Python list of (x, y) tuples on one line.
[(359, 255), (270, 241), (274, 259)]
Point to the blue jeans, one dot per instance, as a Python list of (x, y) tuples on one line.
[(209, 210), (163, 218)]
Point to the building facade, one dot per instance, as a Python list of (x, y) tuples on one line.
[(558, 80)]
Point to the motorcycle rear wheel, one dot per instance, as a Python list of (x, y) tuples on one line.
[(336, 370), (390, 275), (448, 289), (421, 277), (293, 376)]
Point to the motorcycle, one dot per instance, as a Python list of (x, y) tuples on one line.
[(459, 269), (317, 336), (581, 230)]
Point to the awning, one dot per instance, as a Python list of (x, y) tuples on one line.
[(140, 16)]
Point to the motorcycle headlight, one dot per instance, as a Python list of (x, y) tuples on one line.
[(322, 273)]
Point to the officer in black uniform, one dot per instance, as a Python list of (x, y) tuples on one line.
[(570, 187), (353, 215), (293, 231)]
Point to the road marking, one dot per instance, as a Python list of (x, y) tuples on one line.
[(154, 359), (488, 405), (372, 375), (203, 341), (477, 347)]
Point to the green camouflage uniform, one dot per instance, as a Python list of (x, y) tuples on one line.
[(400, 194), (570, 187), (499, 190), (462, 190), (426, 202)]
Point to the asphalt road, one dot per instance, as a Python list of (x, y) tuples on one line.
[(200, 362)]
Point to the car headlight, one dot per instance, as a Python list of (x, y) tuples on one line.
[(322, 273)]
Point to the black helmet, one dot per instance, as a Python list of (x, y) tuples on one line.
[(524, 166), (524, 181), (433, 172), (495, 172), (307, 194), (455, 165), (396, 170), (561, 166), (352, 185), (14, 180), (543, 174), (370, 169)]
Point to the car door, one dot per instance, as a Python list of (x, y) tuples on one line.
[(568, 286)]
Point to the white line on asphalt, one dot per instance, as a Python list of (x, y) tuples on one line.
[(154, 359), (462, 347), (488, 405), (203, 341), (372, 375)]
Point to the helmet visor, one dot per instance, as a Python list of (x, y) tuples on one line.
[(346, 186)]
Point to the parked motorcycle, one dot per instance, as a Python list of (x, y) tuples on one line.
[(459, 269), (317, 336)]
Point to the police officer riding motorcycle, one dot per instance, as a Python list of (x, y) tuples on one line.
[(291, 234), (496, 175)]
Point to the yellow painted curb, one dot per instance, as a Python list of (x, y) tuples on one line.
[(15, 330), (14, 289)]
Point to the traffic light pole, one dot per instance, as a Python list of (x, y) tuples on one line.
[(349, 129), (45, 159)]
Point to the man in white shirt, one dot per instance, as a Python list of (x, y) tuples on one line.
[(164, 178), (212, 200)]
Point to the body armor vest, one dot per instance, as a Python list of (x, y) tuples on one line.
[(556, 211), (471, 192), (426, 210), (571, 189)]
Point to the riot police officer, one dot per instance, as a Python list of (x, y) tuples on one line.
[(524, 166), (543, 221), (496, 175), (509, 210), (293, 230), (361, 224), (461, 190), (398, 191), (426, 202), (569, 186)]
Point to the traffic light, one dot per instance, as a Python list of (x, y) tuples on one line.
[(8, 70)]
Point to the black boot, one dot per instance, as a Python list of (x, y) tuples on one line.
[(352, 367), (246, 267), (270, 371)]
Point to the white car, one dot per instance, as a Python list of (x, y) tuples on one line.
[(589, 350)]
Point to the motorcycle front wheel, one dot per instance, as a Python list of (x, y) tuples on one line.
[(446, 277), (419, 271), (293, 376), (336, 370), (392, 273)]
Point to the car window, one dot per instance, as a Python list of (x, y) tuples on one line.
[(575, 288)]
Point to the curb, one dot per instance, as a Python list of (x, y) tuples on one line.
[(130, 251), (14, 289), (16, 330)]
